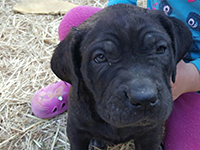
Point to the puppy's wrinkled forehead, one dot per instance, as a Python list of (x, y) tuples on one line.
[(123, 26)]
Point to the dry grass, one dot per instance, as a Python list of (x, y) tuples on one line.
[(26, 45)]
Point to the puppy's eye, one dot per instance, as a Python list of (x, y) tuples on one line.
[(100, 58), (161, 49)]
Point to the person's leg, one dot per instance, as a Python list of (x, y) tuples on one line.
[(52, 100), (183, 125), (75, 17)]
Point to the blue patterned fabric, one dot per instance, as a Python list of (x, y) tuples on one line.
[(112, 2)]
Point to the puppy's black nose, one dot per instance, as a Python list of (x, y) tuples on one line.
[(143, 98), (143, 94)]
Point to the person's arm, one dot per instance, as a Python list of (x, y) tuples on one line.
[(112, 2), (187, 79)]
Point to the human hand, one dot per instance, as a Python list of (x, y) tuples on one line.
[(187, 79)]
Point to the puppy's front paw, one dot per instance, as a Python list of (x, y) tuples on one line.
[(96, 145)]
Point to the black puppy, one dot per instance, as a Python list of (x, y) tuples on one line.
[(119, 63)]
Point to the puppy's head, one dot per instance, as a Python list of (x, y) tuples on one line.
[(125, 56)]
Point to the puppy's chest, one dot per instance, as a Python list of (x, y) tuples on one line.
[(96, 128), (112, 135)]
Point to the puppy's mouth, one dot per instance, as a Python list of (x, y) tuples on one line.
[(117, 110), (121, 117), (124, 114), (144, 123)]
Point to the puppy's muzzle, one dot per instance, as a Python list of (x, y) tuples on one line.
[(142, 93)]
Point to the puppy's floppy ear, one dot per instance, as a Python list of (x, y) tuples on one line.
[(66, 60), (180, 35)]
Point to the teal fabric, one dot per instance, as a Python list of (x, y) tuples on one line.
[(112, 2)]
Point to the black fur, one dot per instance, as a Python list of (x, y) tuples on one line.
[(119, 63)]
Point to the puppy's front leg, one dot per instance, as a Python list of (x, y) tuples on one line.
[(78, 142), (78, 139), (149, 145), (150, 141)]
